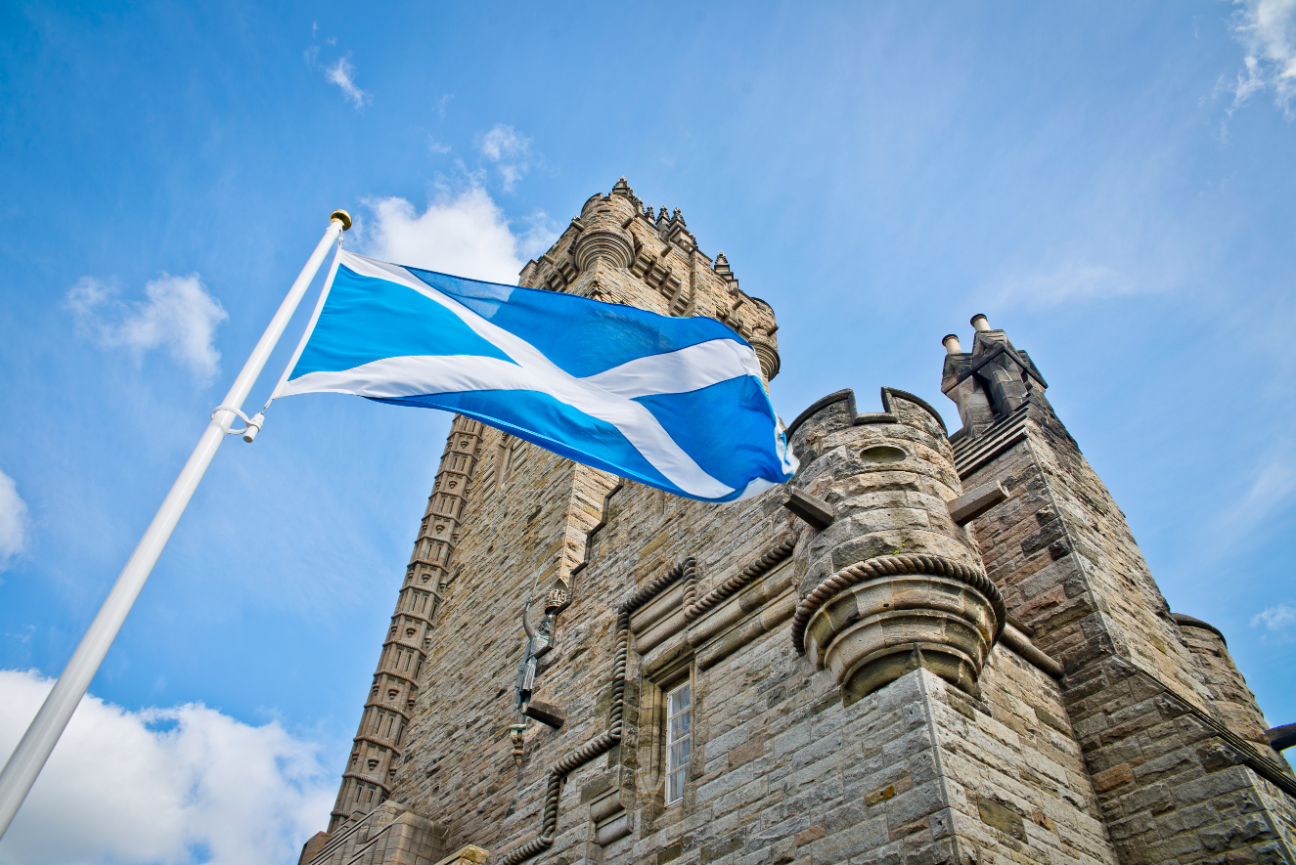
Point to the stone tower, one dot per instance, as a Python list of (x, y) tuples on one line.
[(928, 648)]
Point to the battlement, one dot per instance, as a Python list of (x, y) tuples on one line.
[(616, 251)]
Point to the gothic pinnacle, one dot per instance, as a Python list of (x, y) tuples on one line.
[(722, 268)]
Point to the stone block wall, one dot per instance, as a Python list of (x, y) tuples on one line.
[(1067, 562), (1145, 710), (1142, 746), (1174, 786), (915, 772)]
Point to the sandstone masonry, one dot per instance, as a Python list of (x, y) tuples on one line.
[(928, 648)]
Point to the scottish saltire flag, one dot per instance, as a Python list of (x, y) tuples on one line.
[(675, 403)]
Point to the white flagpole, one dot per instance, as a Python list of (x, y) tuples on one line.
[(43, 734)]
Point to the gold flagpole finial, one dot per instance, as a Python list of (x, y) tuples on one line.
[(343, 217)]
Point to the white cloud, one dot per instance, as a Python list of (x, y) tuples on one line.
[(179, 315), (1072, 283), (509, 150), (436, 146), (1275, 619), (1267, 31), (179, 785), (13, 521), (342, 74), (467, 235)]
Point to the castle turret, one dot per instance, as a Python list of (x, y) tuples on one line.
[(615, 251), (892, 583), (1233, 704)]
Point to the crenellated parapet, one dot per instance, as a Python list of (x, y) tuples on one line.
[(618, 251), (375, 754), (889, 581)]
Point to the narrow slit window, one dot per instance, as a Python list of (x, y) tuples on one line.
[(678, 708)]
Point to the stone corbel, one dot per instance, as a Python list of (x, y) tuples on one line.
[(811, 509), (971, 505), (609, 815)]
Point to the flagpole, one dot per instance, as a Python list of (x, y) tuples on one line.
[(43, 734)]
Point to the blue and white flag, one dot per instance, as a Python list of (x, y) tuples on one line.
[(675, 403)]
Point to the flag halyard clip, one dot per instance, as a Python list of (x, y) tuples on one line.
[(248, 432)]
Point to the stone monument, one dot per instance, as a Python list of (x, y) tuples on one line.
[(927, 648)]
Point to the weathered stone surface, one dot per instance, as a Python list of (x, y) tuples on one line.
[(988, 753), (1150, 699)]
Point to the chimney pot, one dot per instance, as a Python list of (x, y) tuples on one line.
[(951, 344), (979, 323)]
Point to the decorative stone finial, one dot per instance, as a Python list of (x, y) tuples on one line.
[(622, 188), (661, 214), (648, 212), (678, 217)]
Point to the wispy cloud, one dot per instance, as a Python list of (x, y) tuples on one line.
[(510, 152), (436, 146), (13, 521), (1267, 31), (1277, 620), (178, 785), (1073, 282), (1272, 487), (464, 233), (178, 315), (342, 73)]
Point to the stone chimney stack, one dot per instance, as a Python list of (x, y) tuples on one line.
[(990, 382)]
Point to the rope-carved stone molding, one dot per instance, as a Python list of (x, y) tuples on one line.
[(610, 738), (695, 608), (889, 566)]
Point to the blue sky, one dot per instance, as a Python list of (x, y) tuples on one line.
[(1110, 182)]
